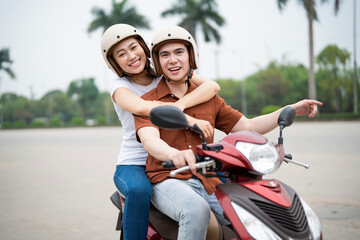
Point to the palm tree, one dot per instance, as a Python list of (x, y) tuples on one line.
[(5, 63), (120, 13), (310, 9), (198, 13)]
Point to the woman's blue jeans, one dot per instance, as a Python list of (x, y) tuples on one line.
[(132, 182)]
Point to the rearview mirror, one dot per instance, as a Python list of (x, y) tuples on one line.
[(168, 117), (286, 117)]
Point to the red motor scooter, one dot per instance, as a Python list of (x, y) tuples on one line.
[(257, 208)]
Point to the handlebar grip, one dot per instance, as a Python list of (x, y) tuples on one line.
[(168, 164)]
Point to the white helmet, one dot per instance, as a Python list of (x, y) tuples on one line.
[(173, 33), (112, 36)]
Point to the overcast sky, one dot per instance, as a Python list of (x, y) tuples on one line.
[(50, 46)]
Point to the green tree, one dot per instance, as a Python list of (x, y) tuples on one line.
[(335, 81), (198, 14), (231, 92), (278, 84), (5, 63), (310, 8), (85, 92), (272, 86), (266, 87), (17, 108), (58, 105), (102, 103), (120, 13)]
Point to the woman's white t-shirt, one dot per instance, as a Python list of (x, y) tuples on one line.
[(131, 151)]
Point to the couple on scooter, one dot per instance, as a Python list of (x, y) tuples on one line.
[(174, 55)]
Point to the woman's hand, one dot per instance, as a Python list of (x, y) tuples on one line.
[(306, 107)]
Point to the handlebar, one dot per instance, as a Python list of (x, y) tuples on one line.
[(169, 164), (201, 165), (201, 162)]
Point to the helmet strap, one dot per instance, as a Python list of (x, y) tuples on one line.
[(191, 74), (187, 81)]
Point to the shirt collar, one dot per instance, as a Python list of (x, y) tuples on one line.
[(163, 89)]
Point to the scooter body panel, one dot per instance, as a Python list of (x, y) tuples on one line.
[(287, 222), (271, 190)]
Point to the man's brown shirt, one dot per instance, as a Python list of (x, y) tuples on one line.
[(220, 115)]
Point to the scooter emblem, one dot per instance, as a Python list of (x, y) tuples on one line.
[(271, 184)]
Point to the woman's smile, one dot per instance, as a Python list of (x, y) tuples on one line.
[(136, 63)]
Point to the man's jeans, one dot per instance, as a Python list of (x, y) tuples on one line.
[(132, 182), (187, 202)]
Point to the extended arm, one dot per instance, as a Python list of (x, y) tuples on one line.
[(265, 123), (156, 147)]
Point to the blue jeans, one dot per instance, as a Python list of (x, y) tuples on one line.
[(132, 182), (187, 202)]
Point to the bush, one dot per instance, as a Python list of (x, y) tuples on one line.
[(37, 124), (101, 120), (20, 124), (6, 125), (269, 109), (55, 122), (77, 121)]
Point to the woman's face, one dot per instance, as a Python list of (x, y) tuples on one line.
[(130, 56), (174, 61)]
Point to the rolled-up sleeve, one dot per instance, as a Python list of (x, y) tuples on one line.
[(226, 117)]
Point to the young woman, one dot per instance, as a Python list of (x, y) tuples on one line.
[(127, 54)]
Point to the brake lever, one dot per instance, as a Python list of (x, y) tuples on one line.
[(201, 165), (288, 159)]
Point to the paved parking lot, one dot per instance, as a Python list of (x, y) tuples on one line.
[(56, 183)]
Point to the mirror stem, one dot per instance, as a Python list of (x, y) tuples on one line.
[(280, 139), (197, 129), (204, 145)]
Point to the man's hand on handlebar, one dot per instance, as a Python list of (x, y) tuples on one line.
[(183, 158)]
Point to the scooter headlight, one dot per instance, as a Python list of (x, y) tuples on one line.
[(254, 226), (264, 158), (313, 220)]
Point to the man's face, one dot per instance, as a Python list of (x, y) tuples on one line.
[(174, 61), (130, 56)]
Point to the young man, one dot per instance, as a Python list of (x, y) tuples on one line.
[(126, 53), (188, 197)]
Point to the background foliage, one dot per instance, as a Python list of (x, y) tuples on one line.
[(276, 85)]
